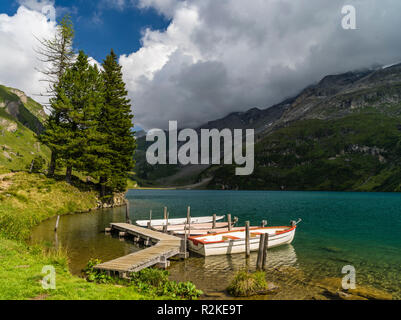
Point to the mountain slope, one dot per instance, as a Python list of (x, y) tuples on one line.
[(340, 134), (22, 108), (21, 118)]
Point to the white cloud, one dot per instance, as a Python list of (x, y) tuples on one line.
[(36, 5), (222, 56), (165, 7), (18, 59)]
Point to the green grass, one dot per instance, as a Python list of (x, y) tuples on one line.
[(36, 109), (32, 198), (21, 145), (6, 95), (28, 199), (21, 275)]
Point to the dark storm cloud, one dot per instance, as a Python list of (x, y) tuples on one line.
[(218, 57)]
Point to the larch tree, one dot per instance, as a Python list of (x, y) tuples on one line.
[(116, 122)]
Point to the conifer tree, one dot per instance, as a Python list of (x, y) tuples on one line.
[(58, 55), (79, 100), (116, 123)]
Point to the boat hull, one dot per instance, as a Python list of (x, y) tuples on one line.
[(178, 221), (233, 246)]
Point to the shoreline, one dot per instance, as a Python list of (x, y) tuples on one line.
[(39, 199)]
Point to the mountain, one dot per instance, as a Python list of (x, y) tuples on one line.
[(343, 133), (21, 119)]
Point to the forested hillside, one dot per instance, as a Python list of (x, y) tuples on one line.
[(342, 134)]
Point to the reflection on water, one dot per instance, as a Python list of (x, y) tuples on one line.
[(214, 273), (338, 229), (277, 257), (84, 238)]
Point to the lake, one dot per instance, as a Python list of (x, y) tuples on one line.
[(337, 229)]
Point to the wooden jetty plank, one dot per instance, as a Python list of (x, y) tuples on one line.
[(142, 232), (166, 247)]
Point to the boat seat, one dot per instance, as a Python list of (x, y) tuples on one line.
[(255, 234), (230, 238), (282, 231)]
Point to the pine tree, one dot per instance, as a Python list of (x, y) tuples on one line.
[(116, 123), (80, 101), (58, 55)]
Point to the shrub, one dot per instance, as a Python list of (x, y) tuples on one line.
[(37, 164), (93, 275), (157, 280), (247, 284), (150, 281)]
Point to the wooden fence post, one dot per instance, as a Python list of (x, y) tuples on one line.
[(127, 219), (58, 219), (229, 221), (184, 251), (247, 241), (168, 213), (189, 220), (260, 251), (165, 218), (265, 246), (214, 221), (150, 218)]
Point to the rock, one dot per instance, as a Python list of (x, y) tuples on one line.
[(333, 288), (216, 294), (13, 108), (272, 288), (7, 155), (20, 94), (371, 293), (291, 272), (9, 126), (347, 296)]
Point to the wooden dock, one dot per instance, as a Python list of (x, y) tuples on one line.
[(166, 246)]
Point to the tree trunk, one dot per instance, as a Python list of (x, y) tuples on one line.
[(68, 174), (52, 166), (102, 182)]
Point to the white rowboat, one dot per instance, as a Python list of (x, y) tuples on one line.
[(234, 241), (162, 222)]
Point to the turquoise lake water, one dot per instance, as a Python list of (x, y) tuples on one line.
[(337, 229)]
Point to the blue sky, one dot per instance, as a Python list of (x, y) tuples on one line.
[(100, 27)]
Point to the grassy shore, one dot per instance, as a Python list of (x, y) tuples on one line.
[(25, 201), (28, 199), (21, 275)]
